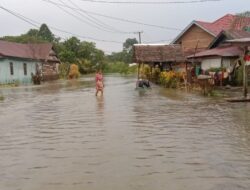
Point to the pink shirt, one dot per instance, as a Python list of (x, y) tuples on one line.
[(98, 77)]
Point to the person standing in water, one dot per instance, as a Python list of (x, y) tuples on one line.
[(99, 82)]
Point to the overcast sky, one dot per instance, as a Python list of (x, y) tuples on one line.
[(168, 15)]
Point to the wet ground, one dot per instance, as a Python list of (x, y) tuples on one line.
[(59, 136)]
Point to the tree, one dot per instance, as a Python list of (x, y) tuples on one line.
[(128, 44), (45, 33), (33, 32), (128, 48)]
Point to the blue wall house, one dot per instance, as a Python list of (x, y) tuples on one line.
[(19, 61)]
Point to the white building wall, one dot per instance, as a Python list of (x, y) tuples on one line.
[(18, 75), (210, 63)]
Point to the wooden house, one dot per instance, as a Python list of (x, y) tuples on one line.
[(19, 61), (198, 35), (166, 57), (221, 52)]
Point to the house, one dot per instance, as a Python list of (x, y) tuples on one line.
[(198, 35), (221, 53), (19, 61), (166, 57), (220, 57), (226, 35), (226, 55)]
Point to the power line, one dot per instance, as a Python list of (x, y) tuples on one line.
[(94, 24), (97, 21), (78, 18), (115, 18), (35, 24), (25, 20), (150, 2)]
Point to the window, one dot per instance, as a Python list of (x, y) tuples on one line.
[(25, 68), (11, 69)]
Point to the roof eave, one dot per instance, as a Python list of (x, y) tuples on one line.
[(212, 55), (187, 28)]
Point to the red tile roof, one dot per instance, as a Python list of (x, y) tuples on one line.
[(226, 22), (231, 51), (26, 51)]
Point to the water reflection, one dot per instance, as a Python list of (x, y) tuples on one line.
[(61, 136), (100, 104)]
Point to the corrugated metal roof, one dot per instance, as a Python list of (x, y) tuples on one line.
[(158, 53), (240, 40), (26, 51), (228, 35), (231, 51), (236, 34)]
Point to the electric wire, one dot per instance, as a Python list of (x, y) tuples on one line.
[(97, 21), (115, 18), (36, 24), (150, 2)]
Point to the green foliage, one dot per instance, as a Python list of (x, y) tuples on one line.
[(119, 57), (85, 66), (170, 79), (84, 54), (119, 67), (23, 39), (126, 55), (216, 69), (34, 36), (45, 33), (63, 70), (156, 74), (145, 72), (239, 75), (128, 44)]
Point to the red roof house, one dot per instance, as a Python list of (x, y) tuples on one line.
[(198, 35)]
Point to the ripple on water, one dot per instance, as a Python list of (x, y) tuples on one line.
[(60, 136)]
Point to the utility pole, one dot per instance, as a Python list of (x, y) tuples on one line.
[(139, 65), (139, 33), (245, 77)]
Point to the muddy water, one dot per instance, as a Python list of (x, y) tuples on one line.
[(60, 136)]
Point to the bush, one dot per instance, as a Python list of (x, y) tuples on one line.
[(145, 72), (73, 72), (239, 76), (156, 74), (170, 79), (63, 70), (86, 66)]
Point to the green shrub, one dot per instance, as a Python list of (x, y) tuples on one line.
[(64, 70), (86, 66), (119, 67)]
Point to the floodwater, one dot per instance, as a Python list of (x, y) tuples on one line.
[(59, 136)]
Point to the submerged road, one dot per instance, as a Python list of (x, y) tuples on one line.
[(59, 136)]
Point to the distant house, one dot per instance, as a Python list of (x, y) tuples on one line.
[(220, 57), (226, 35), (19, 61), (166, 57), (222, 53), (198, 35)]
